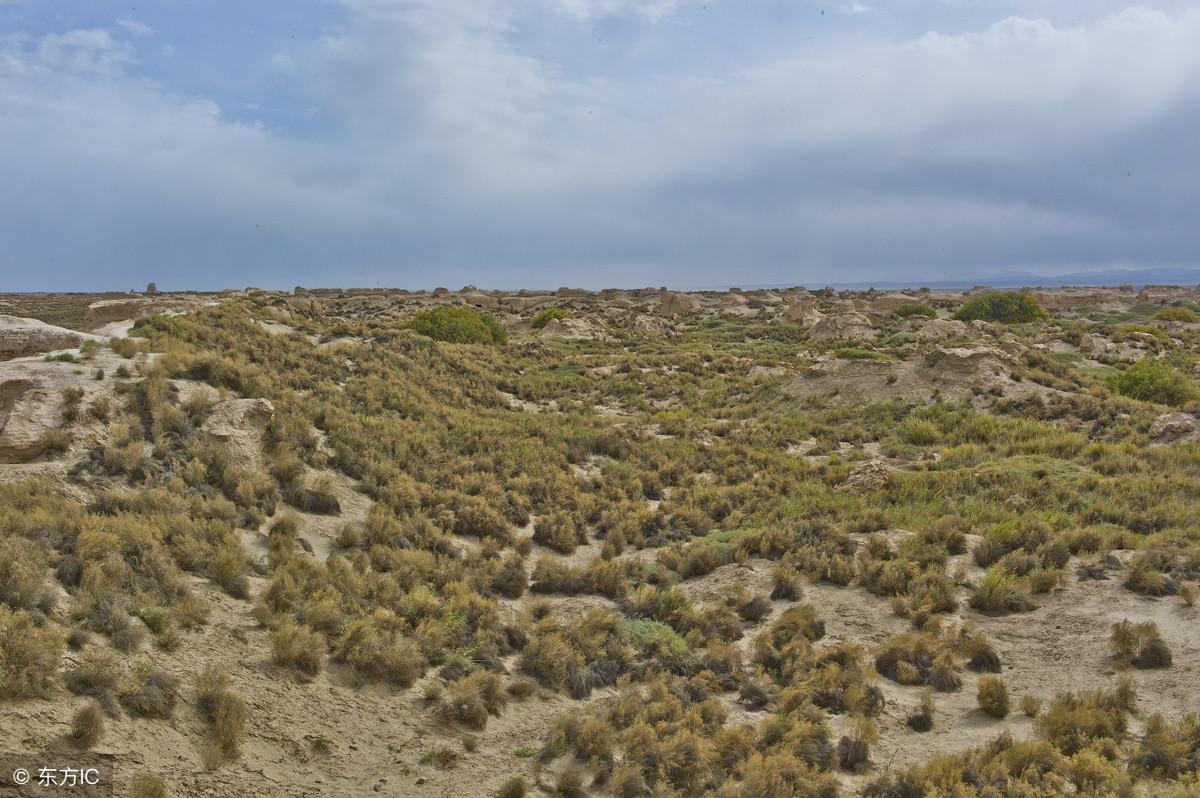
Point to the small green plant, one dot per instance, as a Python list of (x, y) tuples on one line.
[(62, 357), (548, 315), (442, 758), (458, 325), (1152, 380), (1004, 307), (910, 309)]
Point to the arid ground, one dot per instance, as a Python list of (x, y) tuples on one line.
[(629, 542)]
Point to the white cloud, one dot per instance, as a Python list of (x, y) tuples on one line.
[(464, 141), (76, 51), (136, 28)]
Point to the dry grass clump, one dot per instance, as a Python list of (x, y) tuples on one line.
[(559, 531), (1140, 645), (854, 749), (993, 696), (922, 719), (1168, 751), (319, 498), (1079, 737), (298, 647), (512, 788), (147, 785), (29, 654), (1074, 722), (671, 737), (87, 726), (589, 653), (376, 648), (1031, 705), (98, 674), (510, 580), (223, 708), (1000, 593), (934, 657), (151, 693), (471, 699), (22, 575), (1150, 581), (915, 575)]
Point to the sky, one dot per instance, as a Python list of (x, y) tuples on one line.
[(208, 144)]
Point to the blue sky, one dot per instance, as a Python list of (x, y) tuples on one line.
[(208, 144)]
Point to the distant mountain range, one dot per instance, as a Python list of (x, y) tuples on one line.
[(1136, 277)]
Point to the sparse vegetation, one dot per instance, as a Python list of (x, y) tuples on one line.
[(654, 524)]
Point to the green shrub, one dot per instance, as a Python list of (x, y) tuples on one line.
[(548, 315), (1151, 380), (1177, 314), (458, 325), (1005, 307), (910, 309)]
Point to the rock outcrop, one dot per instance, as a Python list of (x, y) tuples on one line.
[(1175, 427), (869, 476), (21, 337), (889, 302), (673, 304), (26, 415), (941, 329), (238, 424), (804, 312), (573, 330), (844, 327)]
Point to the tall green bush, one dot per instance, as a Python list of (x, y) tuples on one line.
[(458, 325), (1006, 307), (1151, 380)]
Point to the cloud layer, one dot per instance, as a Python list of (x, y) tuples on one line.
[(607, 142)]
